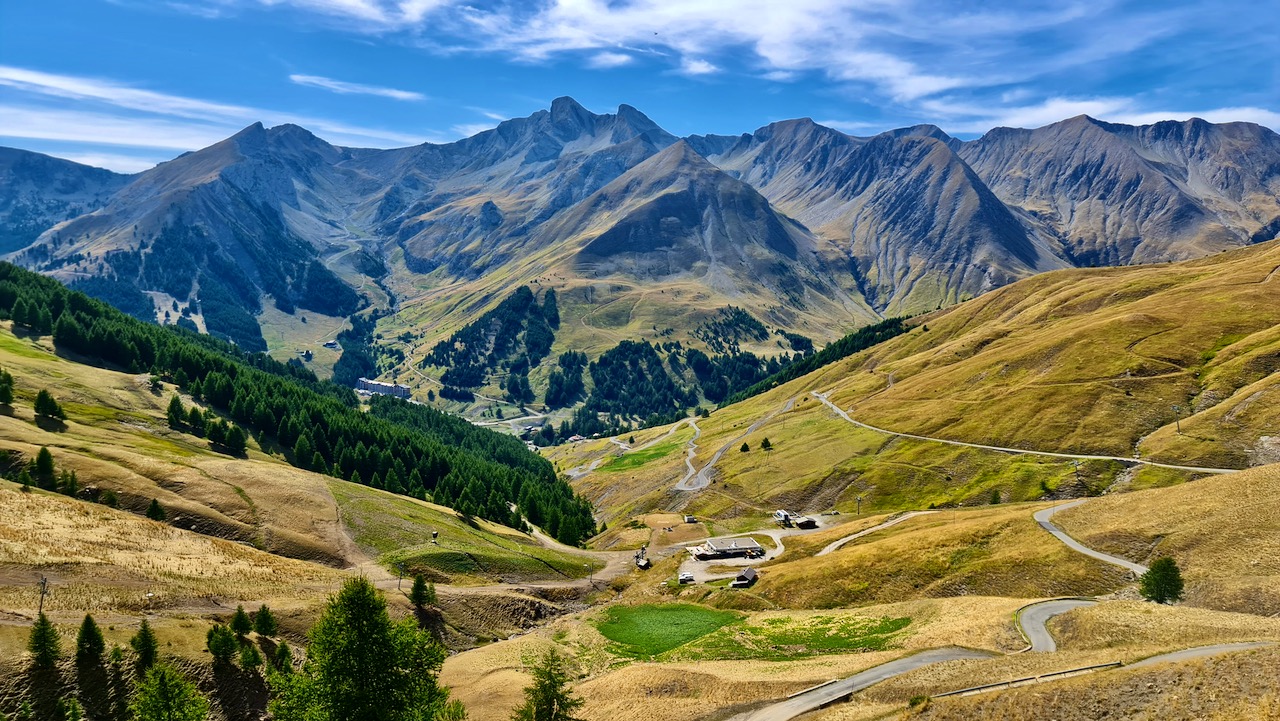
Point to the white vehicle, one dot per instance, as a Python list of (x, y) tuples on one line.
[(685, 577)]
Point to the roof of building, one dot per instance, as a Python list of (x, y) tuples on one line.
[(725, 544), (747, 574)]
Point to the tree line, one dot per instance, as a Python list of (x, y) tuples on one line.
[(315, 425)]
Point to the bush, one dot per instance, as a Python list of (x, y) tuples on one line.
[(164, 695), (155, 511)]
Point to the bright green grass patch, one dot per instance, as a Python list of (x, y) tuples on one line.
[(635, 459), (651, 629), (10, 343), (783, 639), (398, 530)]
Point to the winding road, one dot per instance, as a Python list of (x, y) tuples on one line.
[(1042, 517), (1034, 619), (821, 696), (1021, 451), (697, 481), (835, 545)]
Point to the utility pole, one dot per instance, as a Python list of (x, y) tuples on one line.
[(590, 574), (1177, 418), (859, 505), (44, 588), (399, 573), (1077, 465)]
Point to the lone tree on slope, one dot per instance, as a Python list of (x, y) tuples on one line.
[(548, 698), (44, 644), (1162, 582), (47, 407)]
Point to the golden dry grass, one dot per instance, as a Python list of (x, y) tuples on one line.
[(1223, 531), (103, 559), (997, 551), (1231, 687)]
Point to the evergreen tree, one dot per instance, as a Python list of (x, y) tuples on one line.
[(44, 464), (164, 695), (89, 643), (283, 660), (237, 442), (363, 667), (744, 448), (46, 406), (423, 593), (1162, 582), (145, 645), (250, 657), (264, 622), (155, 511), (44, 644), (765, 444), (195, 419), (177, 414), (6, 388), (548, 698), (240, 622), (550, 309), (221, 643)]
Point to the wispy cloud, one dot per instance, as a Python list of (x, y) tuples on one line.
[(111, 112), (969, 118), (606, 60), (343, 87), (1017, 61), (466, 130), (696, 66)]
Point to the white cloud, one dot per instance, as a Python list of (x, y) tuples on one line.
[(694, 66), (110, 112), (976, 118), (605, 60), (466, 130), (112, 161), (345, 88)]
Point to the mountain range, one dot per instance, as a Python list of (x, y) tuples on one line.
[(807, 228)]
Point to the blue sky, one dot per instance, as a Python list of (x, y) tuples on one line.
[(127, 83)]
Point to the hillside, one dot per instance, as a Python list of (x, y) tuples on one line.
[(1087, 362)]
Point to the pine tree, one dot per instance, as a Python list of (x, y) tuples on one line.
[(264, 622), (44, 464), (145, 645), (548, 698), (221, 643), (283, 660), (250, 658), (164, 695), (744, 448), (44, 644), (240, 622), (237, 442), (176, 414), (89, 643), (155, 511), (46, 406), (1162, 582), (6, 388), (195, 419), (766, 445), (423, 593), (360, 665)]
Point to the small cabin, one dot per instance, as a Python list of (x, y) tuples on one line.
[(806, 522), (746, 579)]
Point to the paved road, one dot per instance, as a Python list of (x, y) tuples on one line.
[(824, 695), (1033, 620), (1201, 652), (1042, 517), (702, 479), (1023, 451), (892, 522)]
